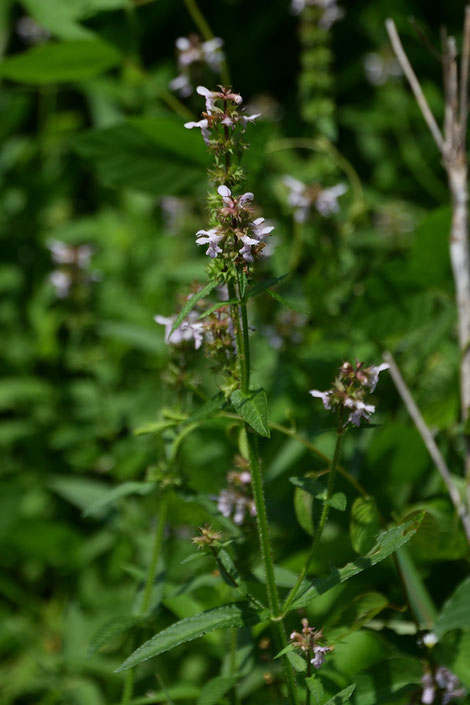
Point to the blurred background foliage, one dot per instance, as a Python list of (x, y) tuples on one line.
[(94, 153)]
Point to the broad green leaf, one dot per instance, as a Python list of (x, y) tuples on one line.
[(453, 651), (388, 681), (124, 490), (115, 627), (387, 543), (190, 304), (318, 490), (214, 690), (456, 611), (231, 615), (288, 304), (75, 60), (419, 598), (79, 491), (342, 697), (60, 18), (253, 408), (315, 687), (155, 155), (364, 524)]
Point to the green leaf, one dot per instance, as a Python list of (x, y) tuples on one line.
[(388, 681), (419, 598), (296, 661), (342, 697), (231, 615), (229, 572), (318, 490), (58, 17), (360, 611), (253, 408), (156, 426), (304, 510), (214, 690), (288, 304), (387, 543), (190, 304), (215, 307), (155, 155), (265, 284), (456, 611), (115, 627), (364, 525), (124, 490), (315, 686), (79, 491), (75, 60), (207, 410)]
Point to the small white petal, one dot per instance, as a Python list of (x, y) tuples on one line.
[(224, 191)]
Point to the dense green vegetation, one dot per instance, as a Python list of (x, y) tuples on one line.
[(109, 436)]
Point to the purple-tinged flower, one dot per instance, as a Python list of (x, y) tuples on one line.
[(181, 85), (190, 329), (319, 657), (210, 96), (213, 54), (248, 243), (231, 202), (245, 119), (298, 198), (69, 254), (358, 410), (331, 12), (233, 503), (324, 396), (259, 230), (212, 238), (204, 127), (429, 689), (374, 371), (61, 281), (326, 202)]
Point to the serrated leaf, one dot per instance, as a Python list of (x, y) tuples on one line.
[(74, 60), (231, 615), (342, 697), (124, 490), (315, 686), (115, 627), (456, 611), (364, 524), (253, 408), (296, 661), (190, 304), (387, 543), (214, 690)]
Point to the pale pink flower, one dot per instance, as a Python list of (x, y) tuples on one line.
[(203, 126), (212, 238)]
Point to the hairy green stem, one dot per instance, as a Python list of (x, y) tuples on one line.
[(149, 583), (323, 516)]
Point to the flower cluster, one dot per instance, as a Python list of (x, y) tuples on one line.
[(349, 390), (307, 642), (235, 228), (234, 501), (302, 197), (443, 684), (331, 11), (192, 54), (190, 329), (217, 121), (73, 264), (216, 330)]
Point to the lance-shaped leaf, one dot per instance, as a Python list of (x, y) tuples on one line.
[(116, 493), (387, 543), (342, 697), (253, 408), (190, 304), (113, 628), (214, 690), (231, 615), (262, 286)]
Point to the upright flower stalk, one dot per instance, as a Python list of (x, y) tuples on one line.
[(234, 241)]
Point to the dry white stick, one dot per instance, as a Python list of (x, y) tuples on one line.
[(414, 83), (429, 442), (464, 76)]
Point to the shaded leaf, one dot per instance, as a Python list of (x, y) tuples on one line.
[(315, 686), (231, 615), (342, 697), (75, 60), (304, 510), (364, 524), (263, 285), (387, 543), (318, 490), (214, 690), (419, 598), (456, 611), (388, 681), (253, 408), (124, 490), (115, 627)]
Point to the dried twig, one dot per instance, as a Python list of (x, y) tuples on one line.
[(451, 145), (429, 442), (414, 83)]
